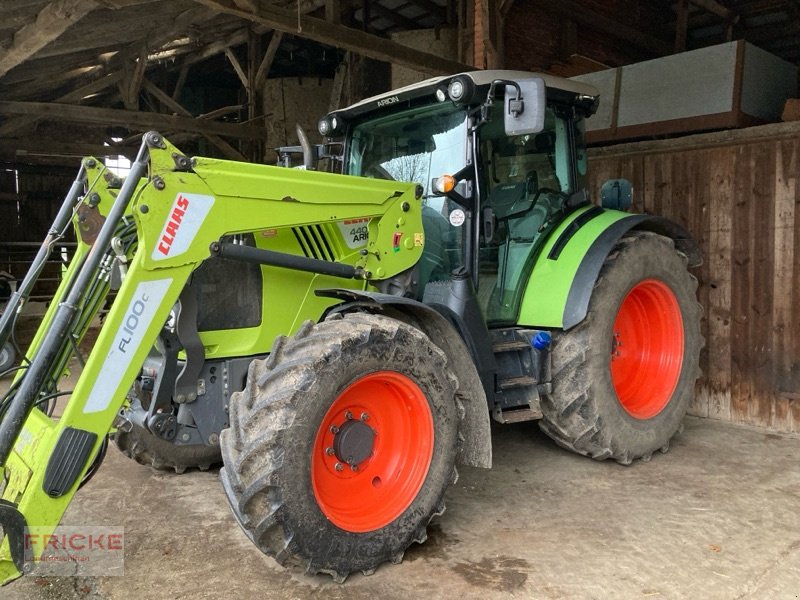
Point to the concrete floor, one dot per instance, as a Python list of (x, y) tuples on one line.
[(716, 517)]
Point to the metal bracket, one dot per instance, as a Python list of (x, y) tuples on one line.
[(189, 338)]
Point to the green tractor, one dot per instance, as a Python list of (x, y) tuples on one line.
[(340, 342)]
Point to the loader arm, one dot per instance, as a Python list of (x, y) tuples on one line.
[(166, 217)]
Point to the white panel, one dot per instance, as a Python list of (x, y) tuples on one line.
[(690, 84), (767, 83), (605, 82), (138, 316)]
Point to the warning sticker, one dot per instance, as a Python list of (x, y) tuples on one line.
[(457, 218), (355, 232)]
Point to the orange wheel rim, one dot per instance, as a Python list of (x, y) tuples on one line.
[(372, 452), (647, 349)]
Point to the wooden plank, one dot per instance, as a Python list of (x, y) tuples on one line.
[(785, 295), (741, 387), (54, 111), (749, 135), (761, 233), (323, 32), (53, 20), (792, 343), (717, 384)]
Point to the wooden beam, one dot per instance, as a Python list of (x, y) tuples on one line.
[(338, 84), (347, 38), (228, 150), (682, 25), (53, 20), (54, 111), (269, 57), (237, 67), (599, 22), (182, 75), (26, 146), (716, 8), (156, 37), (74, 96), (333, 11), (132, 84), (245, 4)]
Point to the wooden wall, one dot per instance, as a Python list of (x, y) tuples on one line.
[(738, 194)]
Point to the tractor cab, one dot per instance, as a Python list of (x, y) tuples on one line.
[(500, 159)]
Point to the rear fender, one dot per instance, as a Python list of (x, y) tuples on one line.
[(475, 432), (564, 274)]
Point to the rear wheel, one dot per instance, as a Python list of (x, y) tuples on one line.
[(623, 378), (342, 444)]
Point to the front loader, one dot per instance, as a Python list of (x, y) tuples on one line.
[(340, 342)]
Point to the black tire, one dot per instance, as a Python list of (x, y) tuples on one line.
[(7, 357), (584, 413), (152, 451), (267, 450)]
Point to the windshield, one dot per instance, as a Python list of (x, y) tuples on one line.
[(415, 145), (418, 145)]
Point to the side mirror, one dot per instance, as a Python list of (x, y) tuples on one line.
[(616, 194), (524, 106)]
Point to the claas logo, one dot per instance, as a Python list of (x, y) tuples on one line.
[(171, 230)]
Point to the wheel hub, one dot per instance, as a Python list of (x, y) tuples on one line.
[(372, 451), (354, 442)]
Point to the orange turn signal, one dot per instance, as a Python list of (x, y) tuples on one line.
[(444, 184)]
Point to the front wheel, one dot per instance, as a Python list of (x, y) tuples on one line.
[(623, 378), (342, 444)]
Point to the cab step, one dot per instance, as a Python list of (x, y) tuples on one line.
[(510, 346), (516, 382), (517, 416)]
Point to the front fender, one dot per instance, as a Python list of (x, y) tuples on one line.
[(562, 278), (475, 431)]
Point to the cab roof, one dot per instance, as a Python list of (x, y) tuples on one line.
[(480, 78)]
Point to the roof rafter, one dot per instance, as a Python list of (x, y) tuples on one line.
[(133, 119), (331, 34), (53, 20)]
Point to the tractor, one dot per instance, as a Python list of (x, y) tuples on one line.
[(340, 339)]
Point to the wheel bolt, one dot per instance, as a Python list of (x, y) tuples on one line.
[(364, 416), (348, 415), (338, 466), (353, 467), (334, 429), (329, 451)]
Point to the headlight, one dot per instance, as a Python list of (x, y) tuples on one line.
[(456, 90), (324, 126)]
